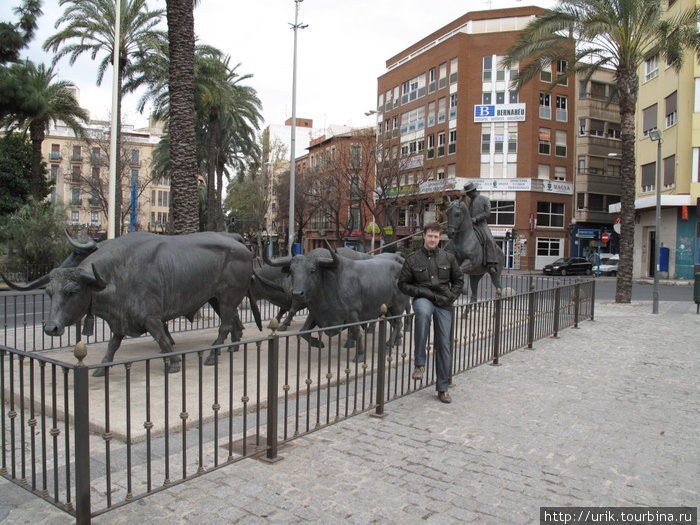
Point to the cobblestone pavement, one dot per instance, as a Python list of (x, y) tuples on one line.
[(607, 414)]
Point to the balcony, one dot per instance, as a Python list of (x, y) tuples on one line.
[(76, 157), (55, 156)]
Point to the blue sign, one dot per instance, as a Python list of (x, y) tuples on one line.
[(586, 233), (484, 111)]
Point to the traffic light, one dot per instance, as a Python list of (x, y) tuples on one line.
[(233, 220), (596, 235), (508, 235)]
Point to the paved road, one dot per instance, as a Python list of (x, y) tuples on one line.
[(608, 414)]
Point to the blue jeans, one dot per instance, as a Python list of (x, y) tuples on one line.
[(424, 311)]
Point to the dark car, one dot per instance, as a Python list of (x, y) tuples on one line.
[(569, 266)]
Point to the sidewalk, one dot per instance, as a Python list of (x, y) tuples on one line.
[(608, 414)]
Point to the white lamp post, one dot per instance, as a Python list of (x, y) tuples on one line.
[(655, 135)]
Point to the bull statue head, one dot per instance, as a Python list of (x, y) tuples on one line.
[(70, 290)]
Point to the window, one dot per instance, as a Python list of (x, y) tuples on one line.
[(648, 177), (451, 171), (75, 217), (545, 105), (95, 218), (387, 104), (562, 114), (651, 68), (54, 172), (134, 176), (502, 213), (355, 186), (76, 153), (442, 80), (96, 154), (76, 172), (543, 171), (453, 71), (548, 247), (560, 145), (453, 106), (440, 173), (432, 79), (545, 141), (500, 97), (561, 68), (441, 110), (430, 153), (75, 196), (513, 97), (597, 128), (95, 173), (355, 156), (582, 165), (559, 173), (441, 144), (498, 143), (396, 97), (550, 214), (671, 109), (598, 90), (488, 68), (670, 171), (582, 126), (513, 142), (486, 97), (649, 120), (380, 103), (135, 156), (55, 151), (581, 201), (452, 142), (613, 130), (546, 72), (431, 114), (485, 143)]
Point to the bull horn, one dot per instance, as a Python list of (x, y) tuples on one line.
[(269, 283), (41, 281), (90, 245), (282, 261), (93, 278), (334, 258)]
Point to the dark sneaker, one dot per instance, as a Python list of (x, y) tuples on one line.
[(444, 397), (418, 373)]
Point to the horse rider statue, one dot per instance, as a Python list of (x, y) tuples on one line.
[(480, 209)]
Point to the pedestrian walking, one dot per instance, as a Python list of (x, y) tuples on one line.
[(433, 278)]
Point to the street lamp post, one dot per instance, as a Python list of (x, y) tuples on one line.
[(296, 25), (655, 135)]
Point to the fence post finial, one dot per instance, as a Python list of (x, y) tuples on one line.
[(274, 325), (80, 352)]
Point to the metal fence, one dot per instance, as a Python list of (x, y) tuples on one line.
[(90, 444)]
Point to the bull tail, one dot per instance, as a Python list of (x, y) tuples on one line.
[(256, 310)]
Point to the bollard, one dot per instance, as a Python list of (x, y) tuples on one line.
[(81, 429), (696, 292), (381, 364), (273, 346)]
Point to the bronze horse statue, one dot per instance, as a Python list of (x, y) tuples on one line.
[(467, 248)]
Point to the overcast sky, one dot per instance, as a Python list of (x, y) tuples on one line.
[(339, 57)]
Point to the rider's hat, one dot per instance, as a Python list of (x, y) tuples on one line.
[(469, 187)]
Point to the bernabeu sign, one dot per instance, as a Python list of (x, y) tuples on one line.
[(499, 113)]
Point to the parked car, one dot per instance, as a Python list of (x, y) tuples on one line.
[(568, 266), (608, 266)]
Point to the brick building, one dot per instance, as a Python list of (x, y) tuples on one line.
[(446, 115)]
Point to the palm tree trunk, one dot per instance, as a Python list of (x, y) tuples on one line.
[(36, 132), (184, 204), (219, 196), (212, 206), (628, 83)]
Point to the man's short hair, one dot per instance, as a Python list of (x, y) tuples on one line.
[(432, 226)]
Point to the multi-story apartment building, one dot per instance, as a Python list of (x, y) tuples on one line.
[(337, 182), (447, 115), (597, 175), (668, 102), (80, 168)]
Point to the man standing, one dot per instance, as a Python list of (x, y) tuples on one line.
[(433, 278), (480, 209)]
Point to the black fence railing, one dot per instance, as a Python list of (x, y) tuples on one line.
[(89, 444)]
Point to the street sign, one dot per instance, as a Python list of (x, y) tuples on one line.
[(586, 233), (605, 237)]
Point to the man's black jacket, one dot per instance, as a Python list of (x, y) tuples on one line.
[(434, 275)]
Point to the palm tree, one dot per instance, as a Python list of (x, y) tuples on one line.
[(51, 101), (616, 34), (184, 203), (89, 28)]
